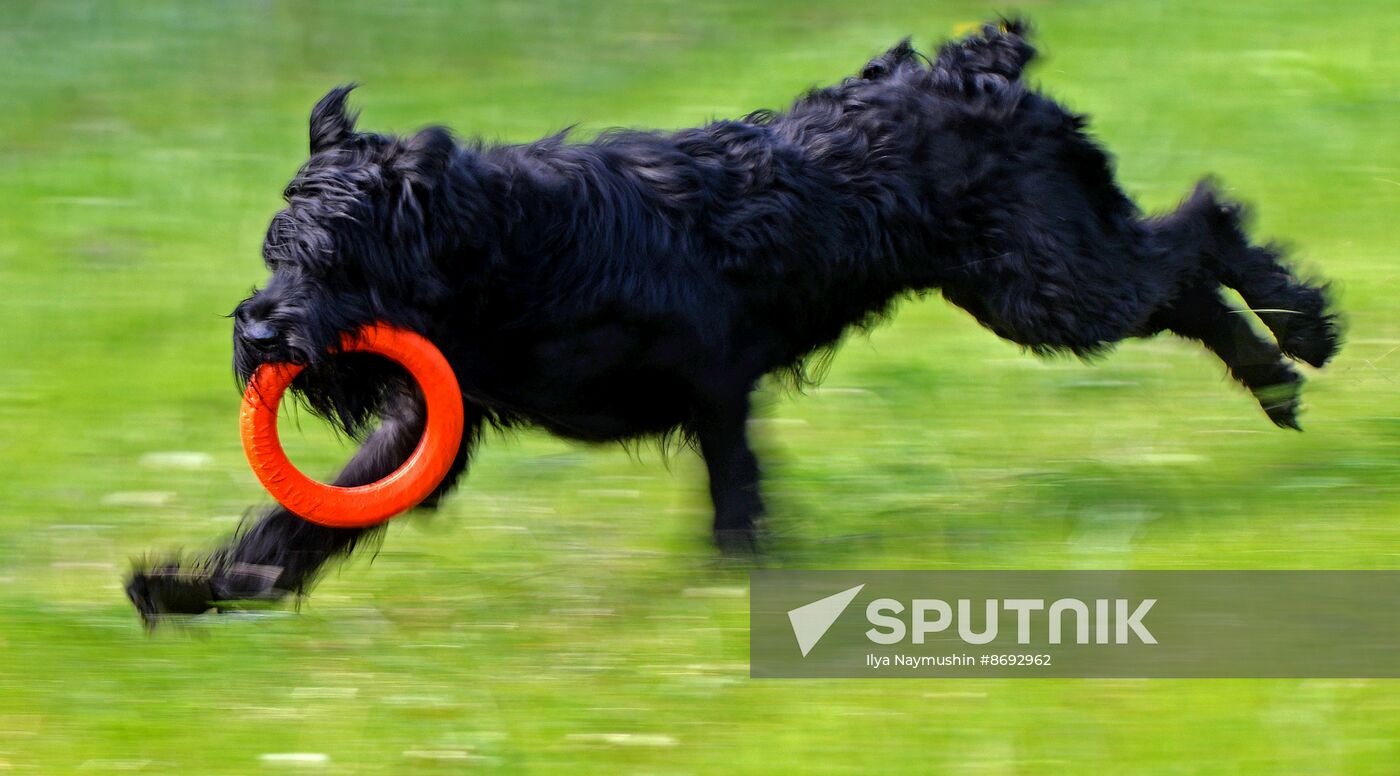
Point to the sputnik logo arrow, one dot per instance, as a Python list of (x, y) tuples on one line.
[(811, 622)]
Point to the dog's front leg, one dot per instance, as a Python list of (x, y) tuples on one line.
[(282, 553), (734, 475)]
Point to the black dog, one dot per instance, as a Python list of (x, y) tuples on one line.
[(641, 284)]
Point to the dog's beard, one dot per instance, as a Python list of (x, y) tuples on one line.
[(350, 389), (346, 389), (290, 350)]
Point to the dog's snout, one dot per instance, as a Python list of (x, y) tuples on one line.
[(259, 333)]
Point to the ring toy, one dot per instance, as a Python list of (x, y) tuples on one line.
[(364, 505)]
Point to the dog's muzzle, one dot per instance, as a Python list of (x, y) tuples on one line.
[(259, 342)]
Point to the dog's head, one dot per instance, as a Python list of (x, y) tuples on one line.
[(373, 226)]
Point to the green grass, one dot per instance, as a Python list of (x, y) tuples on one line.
[(564, 611)]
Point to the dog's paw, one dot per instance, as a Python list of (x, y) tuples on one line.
[(166, 590), (738, 542), (1313, 340), (172, 589), (1281, 403)]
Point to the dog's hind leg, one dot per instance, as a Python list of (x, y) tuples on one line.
[(734, 475), (1294, 310), (1200, 314), (281, 553)]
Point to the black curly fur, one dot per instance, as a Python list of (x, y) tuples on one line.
[(641, 283)]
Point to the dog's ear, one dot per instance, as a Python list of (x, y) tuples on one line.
[(331, 124), (418, 164), (422, 157)]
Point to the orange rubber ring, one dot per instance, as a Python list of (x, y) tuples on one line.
[(363, 505)]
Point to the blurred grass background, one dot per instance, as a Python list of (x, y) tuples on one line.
[(565, 611)]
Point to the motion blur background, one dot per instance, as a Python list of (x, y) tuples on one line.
[(565, 609)]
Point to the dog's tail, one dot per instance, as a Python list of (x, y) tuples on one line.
[(998, 53)]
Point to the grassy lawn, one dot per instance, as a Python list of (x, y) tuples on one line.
[(565, 611)]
